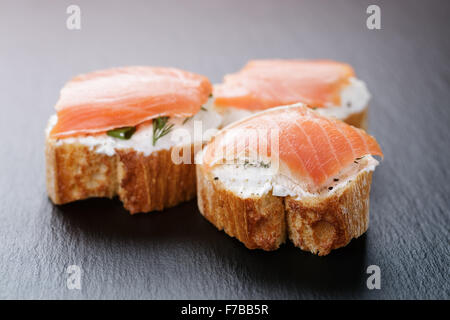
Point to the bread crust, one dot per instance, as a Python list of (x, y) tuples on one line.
[(143, 183), (356, 119), (259, 223), (359, 119), (318, 225)]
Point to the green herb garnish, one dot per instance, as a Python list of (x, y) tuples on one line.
[(264, 165), (203, 108), (259, 164), (161, 127), (124, 133), (186, 120)]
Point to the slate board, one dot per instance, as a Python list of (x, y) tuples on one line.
[(176, 253)]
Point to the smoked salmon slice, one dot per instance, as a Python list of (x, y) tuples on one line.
[(309, 146), (264, 84), (120, 97)]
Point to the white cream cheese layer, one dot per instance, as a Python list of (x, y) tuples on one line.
[(199, 128), (249, 181), (354, 98)]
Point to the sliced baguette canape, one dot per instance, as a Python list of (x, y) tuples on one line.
[(262, 208), (152, 168), (263, 84)]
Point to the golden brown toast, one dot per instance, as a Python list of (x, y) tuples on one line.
[(142, 183), (316, 224)]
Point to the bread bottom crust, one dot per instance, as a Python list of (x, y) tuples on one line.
[(318, 225), (143, 183)]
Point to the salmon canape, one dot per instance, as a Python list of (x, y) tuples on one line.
[(288, 172), (116, 132), (330, 87)]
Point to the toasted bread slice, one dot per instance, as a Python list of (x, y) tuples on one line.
[(312, 184), (143, 183), (315, 224)]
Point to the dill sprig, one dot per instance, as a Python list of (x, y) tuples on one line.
[(186, 120), (161, 127), (260, 164)]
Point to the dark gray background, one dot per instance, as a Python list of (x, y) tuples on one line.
[(176, 253)]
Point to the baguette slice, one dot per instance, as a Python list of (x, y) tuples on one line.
[(143, 183), (318, 225), (312, 186), (87, 157)]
